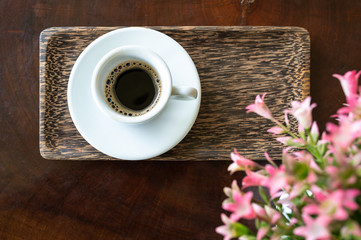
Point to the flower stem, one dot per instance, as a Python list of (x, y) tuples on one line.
[(288, 131)]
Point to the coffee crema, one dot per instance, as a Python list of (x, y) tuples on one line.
[(132, 88)]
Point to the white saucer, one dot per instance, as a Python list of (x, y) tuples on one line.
[(142, 141)]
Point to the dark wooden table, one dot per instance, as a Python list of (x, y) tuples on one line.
[(41, 199)]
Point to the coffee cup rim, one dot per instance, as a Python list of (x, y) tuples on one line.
[(131, 52)]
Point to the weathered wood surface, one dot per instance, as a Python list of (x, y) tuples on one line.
[(234, 63)]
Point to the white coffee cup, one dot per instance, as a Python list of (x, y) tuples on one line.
[(148, 60)]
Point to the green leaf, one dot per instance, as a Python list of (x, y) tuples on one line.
[(322, 149), (301, 171), (258, 223), (358, 171), (263, 194), (239, 229), (264, 224), (302, 135)]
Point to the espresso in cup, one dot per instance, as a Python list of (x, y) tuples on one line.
[(133, 84), (132, 88)]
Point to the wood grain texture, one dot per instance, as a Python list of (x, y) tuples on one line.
[(234, 64)]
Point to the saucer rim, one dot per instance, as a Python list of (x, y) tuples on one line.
[(77, 121)]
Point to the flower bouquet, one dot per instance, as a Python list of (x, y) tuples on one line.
[(314, 193)]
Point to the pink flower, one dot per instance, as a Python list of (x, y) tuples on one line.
[(297, 189), (327, 209), (343, 135), (284, 140), (272, 214), (260, 107), (241, 207), (325, 138), (312, 177), (354, 106), (309, 196), (254, 179), (259, 211), (228, 191), (293, 221), (332, 205), (226, 230), (298, 142), (240, 162), (314, 229), (319, 194), (307, 158), (267, 213), (349, 82), (315, 133), (262, 232), (334, 172), (302, 111), (301, 130), (349, 198), (286, 117), (343, 111), (269, 159), (277, 179), (276, 130)]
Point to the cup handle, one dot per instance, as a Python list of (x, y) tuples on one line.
[(184, 93)]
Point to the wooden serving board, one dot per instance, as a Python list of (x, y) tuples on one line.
[(234, 64)]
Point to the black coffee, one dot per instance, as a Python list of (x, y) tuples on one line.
[(135, 89), (132, 88)]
